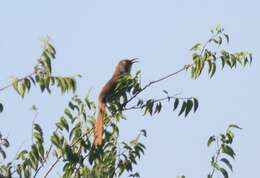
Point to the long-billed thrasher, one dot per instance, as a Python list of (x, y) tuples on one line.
[(123, 67)]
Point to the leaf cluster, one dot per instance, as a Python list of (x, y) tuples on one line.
[(73, 143), (220, 161), (72, 138), (42, 75), (203, 55), (30, 161)]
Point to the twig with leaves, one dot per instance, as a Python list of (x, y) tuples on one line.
[(223, 153)]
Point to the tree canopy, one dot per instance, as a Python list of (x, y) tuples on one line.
[(71, 143)]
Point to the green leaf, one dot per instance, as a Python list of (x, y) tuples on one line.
[(228, 150), (1, 107), (219, 40), (32, 79), (41, 150), (55, 140), (21, 154), (47, 65), (22, 89), (47, 84), (214, 40), (52, 48), (224, 172), (227, 37), (34, 108), (250, 58), (213, 70), (63, 124), (15, 85), (73, 84), (193, 74), (5, 142), (196, 47), (71, 105), (76, 132), (226, 161), (211, 140), (223, 62), (176, 103), (68, 113), (37, 133), (27, 84), (196, 104), (135, 175), (234, 126), (143, 132), (166, 92), (2, 153), (35, 152), (228, 137), (41, 84), (37, 128), (158, 108), (209, 66), (183, 107), (189, 106)]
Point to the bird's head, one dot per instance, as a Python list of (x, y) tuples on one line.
[(125, 65)]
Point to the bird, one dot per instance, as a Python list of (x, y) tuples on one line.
[(123, 67)]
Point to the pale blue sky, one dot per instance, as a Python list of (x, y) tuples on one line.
[(91, 36)]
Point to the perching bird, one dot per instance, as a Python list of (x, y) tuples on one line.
[(123, 67)]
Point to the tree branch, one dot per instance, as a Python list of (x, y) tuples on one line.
[(52, 166), (156, 81), (216, 159), (19, 80), (156, 101)]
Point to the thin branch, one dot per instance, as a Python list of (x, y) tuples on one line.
[(207, 42), (145, 87), (19, 80), (156, 101), (156, 81), (186, 67), (34, 118), (58, 159), (45, 159), (216, 159), (52, 166)]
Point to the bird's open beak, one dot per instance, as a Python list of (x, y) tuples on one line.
[(134, 60)]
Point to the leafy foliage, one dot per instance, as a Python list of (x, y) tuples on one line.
[(4, 143), (42, 74), (204, 56), (72, 139), (30, 161), (80, 156), (129, 87), (220, 160)]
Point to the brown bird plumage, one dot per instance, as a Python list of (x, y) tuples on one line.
[(124, 66)]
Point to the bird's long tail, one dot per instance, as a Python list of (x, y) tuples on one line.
[(98, 132)]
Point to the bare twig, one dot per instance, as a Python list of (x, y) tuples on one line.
[(52, 166)]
